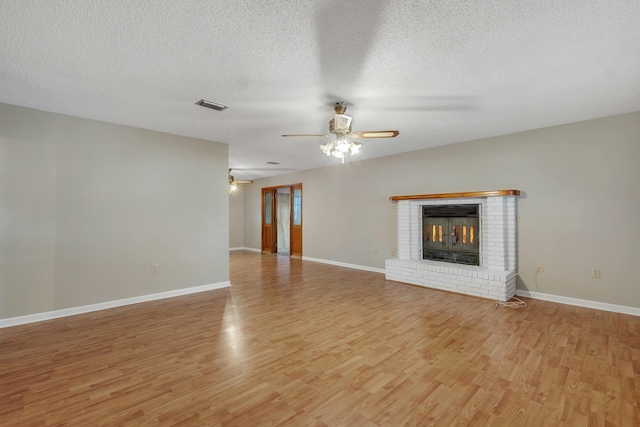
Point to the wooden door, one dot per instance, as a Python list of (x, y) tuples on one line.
[(269, 240), (295, 244)]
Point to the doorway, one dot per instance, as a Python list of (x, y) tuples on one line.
[(282, 220), (283, 223)]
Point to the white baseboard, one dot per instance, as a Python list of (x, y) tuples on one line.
[(344, 264), (580, 302), (245, 249), (39, 317)]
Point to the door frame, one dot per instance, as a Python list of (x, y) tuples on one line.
[(269, 233)]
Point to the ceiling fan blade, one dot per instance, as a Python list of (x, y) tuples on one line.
[(314, 135), (375, 134)]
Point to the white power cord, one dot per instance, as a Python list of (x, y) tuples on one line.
[(516, 302), (511, 303)]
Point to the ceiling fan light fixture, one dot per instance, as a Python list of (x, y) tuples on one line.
[(233, 184), (354, 147), (341, 144), (340, 128), (342, 147), (326, 148)]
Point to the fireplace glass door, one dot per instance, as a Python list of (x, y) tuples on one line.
[(451, 238)]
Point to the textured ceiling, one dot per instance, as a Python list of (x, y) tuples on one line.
[(439, 71)]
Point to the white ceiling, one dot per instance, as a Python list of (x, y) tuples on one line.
[(439, 71)]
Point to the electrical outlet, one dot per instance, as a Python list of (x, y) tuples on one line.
[(595, 274), (539, 267), (154, 268)]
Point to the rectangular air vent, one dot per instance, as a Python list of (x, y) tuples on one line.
[(212, 105)]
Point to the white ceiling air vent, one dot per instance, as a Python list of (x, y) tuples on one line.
[(212, 105)]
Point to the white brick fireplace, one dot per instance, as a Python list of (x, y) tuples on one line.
[(495, 276)]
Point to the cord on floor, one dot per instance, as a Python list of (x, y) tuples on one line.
[(518, 302), (511, 303)]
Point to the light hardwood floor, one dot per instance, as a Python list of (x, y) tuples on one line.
[(305, 344)]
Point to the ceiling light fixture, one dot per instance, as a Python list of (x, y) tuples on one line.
[(233, 183), (340, 147)]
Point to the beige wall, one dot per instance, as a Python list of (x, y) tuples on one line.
[(87, 207), (580, 200), (236, 218)]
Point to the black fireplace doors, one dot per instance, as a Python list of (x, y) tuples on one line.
[(451, 233)]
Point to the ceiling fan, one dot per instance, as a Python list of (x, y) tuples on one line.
[(340, 127), (233, 184)]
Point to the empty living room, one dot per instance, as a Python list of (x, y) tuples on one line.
[(319, 213)]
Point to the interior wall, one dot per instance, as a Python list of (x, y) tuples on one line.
[(579, 206), (236, 218), (87, 207)]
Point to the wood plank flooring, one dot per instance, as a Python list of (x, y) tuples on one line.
[(297, 343)]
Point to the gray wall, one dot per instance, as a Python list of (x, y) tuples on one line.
[(580, 200), (87, 207), (236, 218)]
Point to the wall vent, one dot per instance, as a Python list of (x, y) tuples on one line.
[(212, 105)]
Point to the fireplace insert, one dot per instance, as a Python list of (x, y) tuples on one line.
[(451, 233)]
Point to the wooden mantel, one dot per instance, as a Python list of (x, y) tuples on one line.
[(492, 193)]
